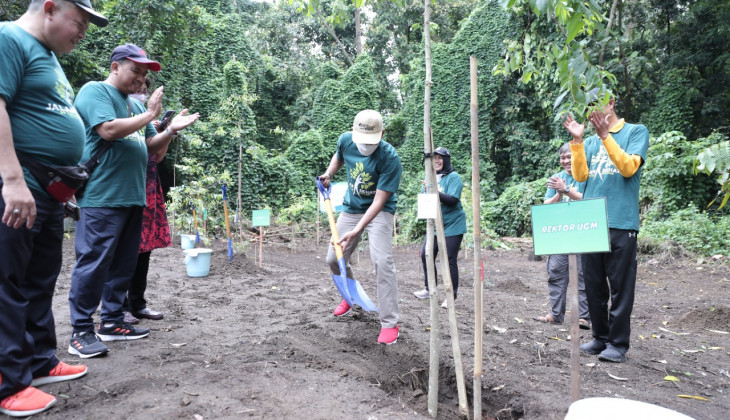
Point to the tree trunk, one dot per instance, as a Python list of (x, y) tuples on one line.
[(331, 31), (358, 33)]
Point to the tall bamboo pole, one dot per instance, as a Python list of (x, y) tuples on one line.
[(433, 372), (453, 324), (574, 329), (476, 217)]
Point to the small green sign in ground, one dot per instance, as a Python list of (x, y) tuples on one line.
[(261, 217), (573, 227)]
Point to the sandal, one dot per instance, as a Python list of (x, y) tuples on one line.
[(548, 319), (583, 324)]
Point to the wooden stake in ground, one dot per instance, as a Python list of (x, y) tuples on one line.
[(453, 324), (261, 246), (574, 329), (476, 217), (433, 372)]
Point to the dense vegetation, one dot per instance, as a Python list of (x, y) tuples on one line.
[(276, 83)]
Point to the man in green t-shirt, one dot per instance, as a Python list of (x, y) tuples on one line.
[(610, 163), (373, 176), (37, 119), (108, 233)]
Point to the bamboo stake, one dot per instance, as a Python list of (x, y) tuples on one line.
[(476, 217), (433, 372), (453, 325), (261, 246), (574, 329)]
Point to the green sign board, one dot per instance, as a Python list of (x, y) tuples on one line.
[(572, 227), (261, 217)]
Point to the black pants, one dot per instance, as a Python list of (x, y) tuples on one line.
[(30, 260), (453, 243), (612, 275), (135, 300)]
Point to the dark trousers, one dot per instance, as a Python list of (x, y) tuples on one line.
[(135, 300), (612, 275), (453, 243), (30, 260), (107, 246)]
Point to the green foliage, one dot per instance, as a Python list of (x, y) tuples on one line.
[(337, 101), (673, 110), (510, 214), (302, 209), (202, 190), (716, 158), (567, 59), (689, 229), (668, 183), (309, 155)]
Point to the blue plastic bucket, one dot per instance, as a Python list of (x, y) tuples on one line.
[(187, 241), (197, 261)]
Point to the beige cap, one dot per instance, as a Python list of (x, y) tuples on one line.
[(368, 127)]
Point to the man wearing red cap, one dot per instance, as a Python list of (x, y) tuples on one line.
[(37, 122), (108, 232)]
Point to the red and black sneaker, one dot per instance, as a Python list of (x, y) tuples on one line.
[(121, 331)]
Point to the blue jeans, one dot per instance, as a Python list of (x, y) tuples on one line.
[(107, 246), (30, 260)]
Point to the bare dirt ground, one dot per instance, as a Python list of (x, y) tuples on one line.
[(262, 343)]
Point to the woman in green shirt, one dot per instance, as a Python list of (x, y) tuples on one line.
[(450, 186)]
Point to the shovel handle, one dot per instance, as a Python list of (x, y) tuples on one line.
[(330, 216)]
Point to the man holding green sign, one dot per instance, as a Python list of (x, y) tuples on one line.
[(610, 162)]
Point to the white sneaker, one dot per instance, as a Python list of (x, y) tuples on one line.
[(421, 294), (445, 305)]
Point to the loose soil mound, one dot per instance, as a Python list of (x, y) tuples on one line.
[(262, 343)]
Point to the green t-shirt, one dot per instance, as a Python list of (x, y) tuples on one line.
[(453, 216), (365, 174), (119, 180), (39, 101), (569, 182), (604, 179)]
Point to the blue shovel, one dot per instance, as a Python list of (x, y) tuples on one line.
[(350, 290)]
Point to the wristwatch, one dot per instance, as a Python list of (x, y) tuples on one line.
[(566, 189)]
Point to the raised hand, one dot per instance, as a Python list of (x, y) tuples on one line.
[(574, 128), (600, 122), (183, 120)]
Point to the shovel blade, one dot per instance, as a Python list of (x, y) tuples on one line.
[(341, 285), (359, 297), (230, 250)]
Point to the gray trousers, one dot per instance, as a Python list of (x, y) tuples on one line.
[(558, 279), (380, 238)]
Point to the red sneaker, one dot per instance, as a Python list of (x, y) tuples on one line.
[(62, 372), (388, 335), (26, 403), (342, 309)]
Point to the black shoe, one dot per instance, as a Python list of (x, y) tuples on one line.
[(121, 331), (611, 354), (86, 344), (593, 347)]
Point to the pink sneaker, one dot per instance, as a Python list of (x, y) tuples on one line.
[(342, 309), (388, 335), (26, 403)]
